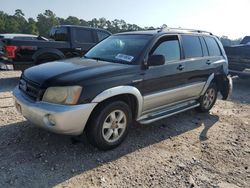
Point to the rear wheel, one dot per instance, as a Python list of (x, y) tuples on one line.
[(208, 100), (109, 125)]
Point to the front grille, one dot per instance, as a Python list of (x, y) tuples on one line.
[(30, 89)]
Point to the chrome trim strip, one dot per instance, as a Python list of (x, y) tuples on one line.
[(172, 95), (136, 81), (119, 90), (167, 105), (219, 62), (209, 80), (168, 115)]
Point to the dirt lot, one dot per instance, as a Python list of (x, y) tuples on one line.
[(186, 150)]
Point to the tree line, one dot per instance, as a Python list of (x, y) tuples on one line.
[(17, 23)]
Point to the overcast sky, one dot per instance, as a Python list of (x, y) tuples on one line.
[(221, 17)]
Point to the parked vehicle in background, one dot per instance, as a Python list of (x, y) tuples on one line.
[(65, 41), (239, 58), (135, 76), (16, 36)]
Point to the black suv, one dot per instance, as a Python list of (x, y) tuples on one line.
[(143, 76)]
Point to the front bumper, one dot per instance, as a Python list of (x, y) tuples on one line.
[(62, 119)]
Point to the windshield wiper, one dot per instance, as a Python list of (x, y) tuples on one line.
[(95, 58)]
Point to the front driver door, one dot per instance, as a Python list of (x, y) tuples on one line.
[(164, 84)]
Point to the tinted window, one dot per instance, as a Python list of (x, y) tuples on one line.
[(170, 49), (83, 36), (192, 46), (204, 47), (102, 35), (59, 34), (213, 47)]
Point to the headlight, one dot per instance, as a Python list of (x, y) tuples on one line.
[(62, 95)]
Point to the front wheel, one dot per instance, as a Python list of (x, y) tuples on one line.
[(208, 100), (109, 125)]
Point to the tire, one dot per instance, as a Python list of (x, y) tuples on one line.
[(208, 100), (104, 130), (46, 58)]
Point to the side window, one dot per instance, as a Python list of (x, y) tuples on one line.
[(102, 35), (83, 36), (170, 49), (213, 47), (204, 47), (192, 46), (59, 34)]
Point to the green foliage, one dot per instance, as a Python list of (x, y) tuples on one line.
[(18, 24), (45, 21)]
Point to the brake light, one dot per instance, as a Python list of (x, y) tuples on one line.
[(10, 51)]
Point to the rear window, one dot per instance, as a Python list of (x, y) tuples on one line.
[(102, 35), (212, 46), (192, 46), (59, 34), (83, 36)]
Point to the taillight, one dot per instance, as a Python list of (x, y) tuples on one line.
[(10, 51)]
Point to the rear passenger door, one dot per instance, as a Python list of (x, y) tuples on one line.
[(215, 60), (197, 61)]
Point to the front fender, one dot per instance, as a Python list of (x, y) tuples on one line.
[(119, 90)]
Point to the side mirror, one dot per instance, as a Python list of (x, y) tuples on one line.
[(155, 60)]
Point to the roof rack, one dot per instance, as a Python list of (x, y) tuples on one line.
[(183, 29)]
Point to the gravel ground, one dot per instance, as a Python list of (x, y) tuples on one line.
[(186, 150)]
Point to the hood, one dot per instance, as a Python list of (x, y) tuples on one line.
[(75, 70)]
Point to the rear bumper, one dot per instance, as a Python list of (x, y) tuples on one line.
[(62, 119), (14, 65), (242, 74), (5, 65)]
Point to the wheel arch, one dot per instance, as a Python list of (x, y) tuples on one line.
[(129, 94), (223, 83), (47, 51)]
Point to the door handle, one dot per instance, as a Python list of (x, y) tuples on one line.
[(180, 67), (208, 62)]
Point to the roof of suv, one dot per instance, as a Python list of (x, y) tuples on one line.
[(169, 31)]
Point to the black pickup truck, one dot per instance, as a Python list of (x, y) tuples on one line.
[(239, 58), (65, 41)]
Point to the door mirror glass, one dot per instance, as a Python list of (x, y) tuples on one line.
[(155, 60)]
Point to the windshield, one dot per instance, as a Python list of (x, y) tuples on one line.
[(119, 48)]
